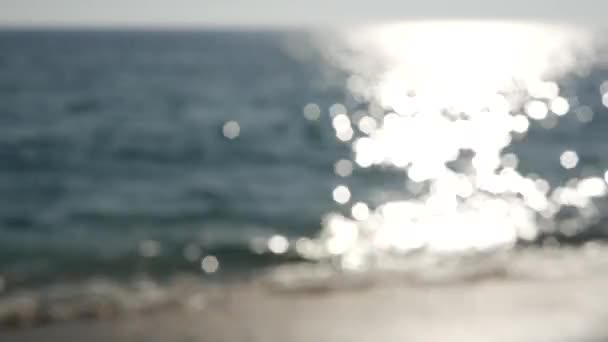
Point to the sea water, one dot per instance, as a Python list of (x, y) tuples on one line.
[(442, 151)]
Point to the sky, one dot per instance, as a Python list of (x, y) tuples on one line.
[(193, 13)]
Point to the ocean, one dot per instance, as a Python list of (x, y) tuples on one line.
[(144, 157), (112, 139)]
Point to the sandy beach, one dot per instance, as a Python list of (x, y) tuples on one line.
[(572, 309)]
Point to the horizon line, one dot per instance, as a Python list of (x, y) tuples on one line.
[(261, 25)]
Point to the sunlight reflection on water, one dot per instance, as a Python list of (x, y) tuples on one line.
[(443, 101)]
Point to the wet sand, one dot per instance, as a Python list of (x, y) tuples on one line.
[(573, 309)]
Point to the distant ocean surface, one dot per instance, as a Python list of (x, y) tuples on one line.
[(111, 142), (141, 153)]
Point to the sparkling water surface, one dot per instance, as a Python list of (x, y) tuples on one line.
[(441, 150)]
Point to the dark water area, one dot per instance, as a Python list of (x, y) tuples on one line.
[(112, 138), (113, 160)]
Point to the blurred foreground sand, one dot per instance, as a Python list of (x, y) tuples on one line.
[(574, 309)]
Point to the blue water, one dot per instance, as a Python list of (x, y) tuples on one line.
[(110, 140)]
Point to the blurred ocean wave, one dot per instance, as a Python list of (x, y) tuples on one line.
[(100, 298)]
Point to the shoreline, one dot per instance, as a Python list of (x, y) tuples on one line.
[(495, 309)]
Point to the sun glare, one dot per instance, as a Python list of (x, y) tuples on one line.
[(445, 92)]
